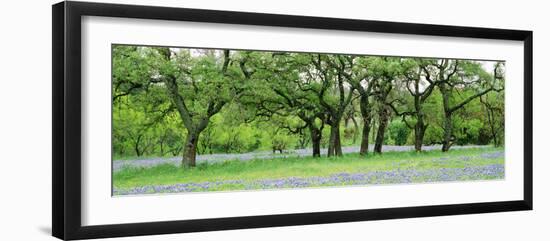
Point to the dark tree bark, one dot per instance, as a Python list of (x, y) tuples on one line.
[(419, 131), (350, 116), (315, 132), (137, 144), (447, 132), (364, 149), (190, 149), (193, 122), (448, 111), (448, 118), (292, 100), (308, 114), (304, 109), (334, 132), (490, 111), (419, 97), (366, 113), (446, 70), (363, 84), (383, 88), (335, 145), (316, 136), (334, 77), (383, 116)]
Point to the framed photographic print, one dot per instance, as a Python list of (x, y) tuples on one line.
[(169, 120)]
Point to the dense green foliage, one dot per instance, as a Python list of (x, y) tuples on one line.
[(194, 101)]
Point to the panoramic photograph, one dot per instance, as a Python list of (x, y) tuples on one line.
[(187, 120)]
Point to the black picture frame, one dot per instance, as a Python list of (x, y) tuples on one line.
[(66, 128)]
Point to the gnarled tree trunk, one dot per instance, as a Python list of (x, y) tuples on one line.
[(338, 143), (365, 108), (190, 149), (447, 132), (445, 88), (334, 144), (419, 130), (448, 118), (365, 136), (316, 136), (383, 123)]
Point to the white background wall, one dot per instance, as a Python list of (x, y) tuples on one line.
[(25, 119)]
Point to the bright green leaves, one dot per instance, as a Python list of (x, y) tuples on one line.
[(131, 70), (240, 101)]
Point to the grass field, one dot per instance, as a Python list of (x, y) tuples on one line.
[(351, 169)]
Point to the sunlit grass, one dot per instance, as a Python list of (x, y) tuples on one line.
[(252, 170)]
